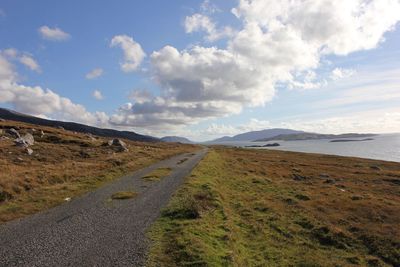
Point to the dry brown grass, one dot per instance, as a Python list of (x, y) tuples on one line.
[(65, 164)]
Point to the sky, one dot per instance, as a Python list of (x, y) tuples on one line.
[(204, 69)]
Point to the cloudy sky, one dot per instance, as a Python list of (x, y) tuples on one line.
[(204, 69)]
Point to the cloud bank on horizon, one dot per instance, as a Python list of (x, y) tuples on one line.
[(277, 44)]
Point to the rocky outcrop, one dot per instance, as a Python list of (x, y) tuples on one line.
[(118, 145), (13, 133), (25, 141)]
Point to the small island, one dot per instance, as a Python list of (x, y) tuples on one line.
[(266, 145)]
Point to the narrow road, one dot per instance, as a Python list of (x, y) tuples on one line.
[(92, 230)]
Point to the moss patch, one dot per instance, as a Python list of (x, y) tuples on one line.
[(124, 195), (157, 174)]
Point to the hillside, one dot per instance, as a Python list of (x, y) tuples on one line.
[(254, 135), (76, 127), (58, 164), (312, 136), (176, 139)]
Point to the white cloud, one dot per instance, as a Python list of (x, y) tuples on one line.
[(340, 73), (97, 95), (24, 58), (10, 52), (95, 73), (140, 96), (133, 52), (372, 121), (208, 7), (53, 34), (366, 86), (280, 42), (28, 61), (200, 22), (42, 102), (223, 129), (339, 27)]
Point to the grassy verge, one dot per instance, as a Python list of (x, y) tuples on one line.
[(157, 174), (63, 165), (270, 208)]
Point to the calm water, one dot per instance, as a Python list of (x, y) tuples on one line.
[(383, 147)]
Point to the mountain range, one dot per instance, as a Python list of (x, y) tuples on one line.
[(255, 135), (176, 139)]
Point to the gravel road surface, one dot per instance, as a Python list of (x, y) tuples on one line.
[(94, 230)]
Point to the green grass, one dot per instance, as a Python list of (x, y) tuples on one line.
[(229, 213), (157, 174), (123, 195)]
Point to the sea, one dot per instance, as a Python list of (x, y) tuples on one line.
[(382, 147)]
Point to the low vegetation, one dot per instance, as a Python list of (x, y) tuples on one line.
[(65, 164), (243, 207), (157, 174), (123, 195)]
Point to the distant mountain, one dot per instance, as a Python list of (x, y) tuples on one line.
[(176, 139), (254, 135), (312, 136), (76, 127)]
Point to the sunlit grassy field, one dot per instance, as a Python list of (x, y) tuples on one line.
[(244, 207), (65, 164)]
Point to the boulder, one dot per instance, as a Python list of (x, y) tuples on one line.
[(29, 151), (25, 141), (14, 133), (298, 177), (1, 120), (118, 144)]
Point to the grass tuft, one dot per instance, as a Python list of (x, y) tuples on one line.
[(123, 195), (157, 174)]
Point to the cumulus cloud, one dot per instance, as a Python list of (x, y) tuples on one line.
[(340, 73), (53, 34), (41, 102), (279, 43), (28, 61), (200, 22), (140, 96), (133, 52), (95, 73), (24, 58), (338, 27), (97, 95)]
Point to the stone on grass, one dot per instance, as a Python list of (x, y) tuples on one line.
[(14, 133), (118, 144), (29, 151), (298, 177), (25, 141)]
